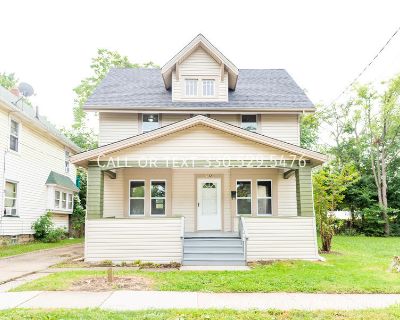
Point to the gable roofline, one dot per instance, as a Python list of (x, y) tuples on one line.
[(82, 158), (10, 102), (202, 42)]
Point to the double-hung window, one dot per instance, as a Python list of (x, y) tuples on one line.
[(243, 197), (191, 87), (70, 201), (158, 197), (208, 88), (64, 201), (136, 197), (264, 197), (14, 135), (10, 203), (150, 121), (249, 122), (57, 199)]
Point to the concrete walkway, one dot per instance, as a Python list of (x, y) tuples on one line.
[(18, 266), (139, 300)]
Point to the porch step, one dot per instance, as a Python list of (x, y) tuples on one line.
[(213, 251)]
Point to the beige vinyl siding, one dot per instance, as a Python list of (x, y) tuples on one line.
[(169, 118), (149, 240), (200, 142), (116, 126), (284, 127), (281, 238), (199, 65), (114, 196), (287, 202), (61, 221), (39, 154), (233, 119)]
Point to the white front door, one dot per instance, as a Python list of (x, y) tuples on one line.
[(209, 204)]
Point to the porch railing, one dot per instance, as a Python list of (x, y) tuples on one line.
[(182, 234), (243, 235)]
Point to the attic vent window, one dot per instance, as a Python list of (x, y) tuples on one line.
[(191, 87), (208, 88), (249, 122), (150, 122)]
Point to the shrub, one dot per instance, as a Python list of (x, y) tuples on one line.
[(45, 230)]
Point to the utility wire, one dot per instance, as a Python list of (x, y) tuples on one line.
[(366, 67)]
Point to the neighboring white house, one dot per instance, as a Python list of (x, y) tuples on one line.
[(36, 174), (199, 163)]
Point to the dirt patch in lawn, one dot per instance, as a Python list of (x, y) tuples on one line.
[(119, 283)]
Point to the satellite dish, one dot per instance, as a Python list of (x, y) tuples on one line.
[(25, 89)]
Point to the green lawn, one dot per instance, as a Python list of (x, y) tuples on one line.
[(360, 265), (11, 250), (391, 313)]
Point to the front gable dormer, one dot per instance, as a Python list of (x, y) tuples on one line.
[(199, 72)]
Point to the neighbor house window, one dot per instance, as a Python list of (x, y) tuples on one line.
[(243, 197), (136, 198), (10, 203), (264, 197), (66, 161), (64, 200), (57, 199), (150, 122), (249, 122), (208, 88), (158, 197), (191, 87), (70, 201), (14, 135)]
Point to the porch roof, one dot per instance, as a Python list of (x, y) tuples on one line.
[(83, 158)]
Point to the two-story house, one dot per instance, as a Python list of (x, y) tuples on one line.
[(199, 163), (36, 175)]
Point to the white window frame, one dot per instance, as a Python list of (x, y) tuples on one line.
[(248, 114), (57, 206), (16, 199), (165, 198), (70, 196), (129, 198), (158, 122), (62, 200), (251, 197), (18, 136), (265, 214), (186, 81), (203, 81), (67, 163)]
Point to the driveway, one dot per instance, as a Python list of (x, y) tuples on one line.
[(18, 266)]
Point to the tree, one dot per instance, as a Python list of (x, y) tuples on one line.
[(309, 126), (382, 128), (329, 185), (8, 80)]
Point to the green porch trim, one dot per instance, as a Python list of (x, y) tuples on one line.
[(305, 205), (95, 192)]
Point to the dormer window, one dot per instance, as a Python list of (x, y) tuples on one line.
[(191, 87), (249, 122), (208, 88), (150, 121)]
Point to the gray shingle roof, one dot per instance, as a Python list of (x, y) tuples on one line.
[(256, 88)]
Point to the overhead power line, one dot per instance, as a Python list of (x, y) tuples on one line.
[(367, 66)]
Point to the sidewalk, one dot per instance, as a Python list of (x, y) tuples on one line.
[(139, 300)]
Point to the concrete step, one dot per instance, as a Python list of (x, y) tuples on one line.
[(188, 262), (212, 242), (213, 256), (213, 249)]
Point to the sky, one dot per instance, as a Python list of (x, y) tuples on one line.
[(322, 44)]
